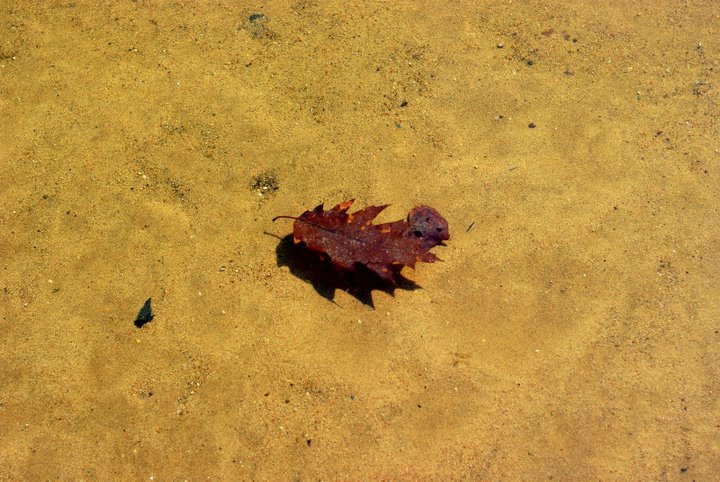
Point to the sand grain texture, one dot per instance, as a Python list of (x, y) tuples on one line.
[(572, 332)]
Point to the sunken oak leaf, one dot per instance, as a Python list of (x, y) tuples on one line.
[(352, 239)]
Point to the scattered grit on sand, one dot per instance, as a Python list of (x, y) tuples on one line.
[(571, 332)]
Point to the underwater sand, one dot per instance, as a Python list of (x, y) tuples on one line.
[(571, 332)]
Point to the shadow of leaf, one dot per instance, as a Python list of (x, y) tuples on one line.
[(325, 278)]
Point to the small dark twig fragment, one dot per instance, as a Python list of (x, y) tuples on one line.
[(470, 227), (145, 315)]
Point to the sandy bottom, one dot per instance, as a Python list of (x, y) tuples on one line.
[(571, 332)]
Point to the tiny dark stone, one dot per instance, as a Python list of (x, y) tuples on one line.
[(265, 183), (403, 104), (309, 442), (530, 63), (258, 27), (532, 125), (683, 469), (145, 315)]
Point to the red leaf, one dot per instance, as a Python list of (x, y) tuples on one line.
[(352, 239)]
